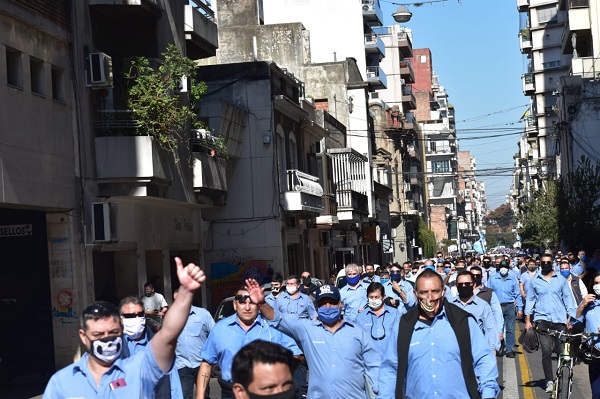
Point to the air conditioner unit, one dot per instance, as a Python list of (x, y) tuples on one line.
[(99, 73), (367, 7), (104, 222)]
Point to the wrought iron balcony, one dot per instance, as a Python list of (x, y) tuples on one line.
[(303, 194)]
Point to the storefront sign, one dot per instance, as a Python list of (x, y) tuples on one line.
[(16, 230)]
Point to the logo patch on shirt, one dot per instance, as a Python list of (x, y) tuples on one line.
[(120, 383), (318, 342), (414, 343)]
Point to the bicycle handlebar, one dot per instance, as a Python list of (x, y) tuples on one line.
[(568, 336)]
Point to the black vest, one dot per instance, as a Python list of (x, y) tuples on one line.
[(486, 294), (576, 291), (459, 320)]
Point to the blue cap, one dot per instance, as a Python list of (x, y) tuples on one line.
[(429, 267), (327, 291)]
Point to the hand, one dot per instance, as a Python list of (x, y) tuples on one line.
[(588, 298), (569, 326), (396, 286), (501, 337), (161, 314), (190, 277), (257, 294), (527, 325), (519, 314)]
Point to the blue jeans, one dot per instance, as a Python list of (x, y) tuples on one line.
[(594, 373), (508, 312)]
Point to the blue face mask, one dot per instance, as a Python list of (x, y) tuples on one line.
[(395, 277), (583, 257), (565, 273), (446, 270), (353, 280), (384, 280), (329, 315)]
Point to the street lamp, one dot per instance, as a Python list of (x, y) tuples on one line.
[(402, 14)]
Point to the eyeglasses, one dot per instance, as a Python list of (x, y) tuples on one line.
[(242, 298), (395, 272), (133, 315), (100, 309), (464, 284)]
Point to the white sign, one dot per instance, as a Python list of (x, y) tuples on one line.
[(16, 230)]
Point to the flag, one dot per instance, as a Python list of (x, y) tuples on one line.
[(525, 114), (479, 245)]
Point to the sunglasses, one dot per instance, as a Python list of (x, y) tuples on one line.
[(545, 263), (242, 298), (133, 315), (464, 284), (395, 272)]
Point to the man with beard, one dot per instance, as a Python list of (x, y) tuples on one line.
[(102, 370), (549, 295), (276, 284), (462, 365)]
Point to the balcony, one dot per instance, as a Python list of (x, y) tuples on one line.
[(414, 153), (200, 30), (528, 81), (329, 215), (376, 77), (408, 98), (415, 179), (406, 71), (405, 45), (210, 181), (303, 194), (578, 28), (409, 122), (525, 41), (131, 7), (522, 5), (352, 186), (372, 13), (374, 44), (585, 67)]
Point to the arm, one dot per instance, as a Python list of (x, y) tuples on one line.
[(518, 297), (497, 313), (164, 306), (164, 342), (484, 362), (398, 290), (257, 296), (203, 379), (522, 289), (411, 300), (568, 300), (586, 300), (530, 303)]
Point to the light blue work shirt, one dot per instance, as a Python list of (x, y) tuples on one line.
[(338, 361), (484, 274), (591, 313), (407, 288), (132, 377), (353, 299), (132, 347), (379, 328), (368, 280), (577, 269), (506, 288), (271, 299), (550, 300), (228, 337), (526, 278), (496, 309), (434, 364), (300, 306), (192, 338), (482, 312)]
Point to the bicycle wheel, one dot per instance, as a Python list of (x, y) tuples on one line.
[(562, 390)]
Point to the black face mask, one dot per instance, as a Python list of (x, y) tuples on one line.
[(477, 280), (487, 264), (546, 268), (306, 281), (289, 394), (370, 274), (464, 292)]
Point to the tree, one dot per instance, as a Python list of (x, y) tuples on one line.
[(579, 206), (427, 239), (539, 219), (500, 224), (502, 216), (155, 100)]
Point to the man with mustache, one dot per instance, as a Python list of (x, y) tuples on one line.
[(439, 351)]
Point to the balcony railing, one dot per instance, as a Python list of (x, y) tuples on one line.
[(405, 45), (528, 83), (406, 71), (200, 29), (115, 122), (376, 77), (372, 12), (374, 44), (408, 98), (303, 182), (303, 193)]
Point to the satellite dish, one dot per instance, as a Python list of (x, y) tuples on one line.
[(402, 14)]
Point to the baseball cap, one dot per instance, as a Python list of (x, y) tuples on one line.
[(327, 291)]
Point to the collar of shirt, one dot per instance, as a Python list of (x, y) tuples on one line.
[(236, 320), (385, 310), (82, 365), (420, 324)]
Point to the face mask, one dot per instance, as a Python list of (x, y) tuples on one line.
[(464, 292), (572, 261), (532, 268), (329, 315), (583, 258), (148, 294), (446, 270), (289, 394), (503, 271), (428, 306), (370, 274), (487, 265), (596, 288), (306, 281), (275, 290), (291, 289), (409, 274), (106, 349), (134, 328), (353, 280), (395, 277), (477, 280), (375, 303), (546, 268), (384, 280), (566, 273)]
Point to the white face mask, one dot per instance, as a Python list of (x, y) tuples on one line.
[(135, 327), (375, 303), (291, 289), (106, 349), (597, 289), (503, 271)]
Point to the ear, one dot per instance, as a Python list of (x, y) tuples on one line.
[(82, 337), (238, 391)]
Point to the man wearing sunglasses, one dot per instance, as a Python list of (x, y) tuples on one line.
[(398, 291), (549, 295), (229, 335), (102, 370)]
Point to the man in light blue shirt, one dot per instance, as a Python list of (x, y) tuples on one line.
[(399, 291), (189, 346), (428, 358), (549, 299), (479, 308), (506, 287), (339, 355), (229, 335), (370, 276), (276, 285), (354, 293), (293, 302), (102, 372)]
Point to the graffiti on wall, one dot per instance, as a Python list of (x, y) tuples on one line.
[(63, 307), (229, 275)]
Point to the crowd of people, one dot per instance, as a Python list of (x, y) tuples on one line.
[(432, 328)]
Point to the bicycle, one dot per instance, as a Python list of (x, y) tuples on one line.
[(564, 370)]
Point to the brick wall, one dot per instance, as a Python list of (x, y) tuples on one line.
[(56, 11), (438, 222)]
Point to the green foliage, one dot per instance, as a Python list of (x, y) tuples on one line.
[(578, 203), (154, 100), (427, 240), (502, 216), (500, 224), (539, 219)]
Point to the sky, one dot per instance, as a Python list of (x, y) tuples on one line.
[(475, 53)]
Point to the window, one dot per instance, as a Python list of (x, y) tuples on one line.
[(422, 59), (57, 84), (440, 166), (547, 14), (14, 70), (550, 64), (36, 69)]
